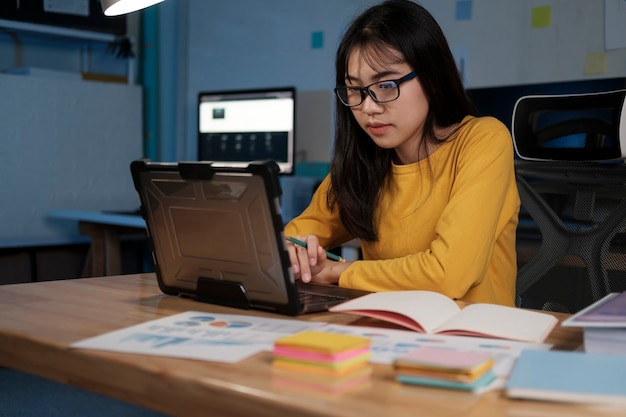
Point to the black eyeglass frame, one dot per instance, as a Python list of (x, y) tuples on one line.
[(366, 89)]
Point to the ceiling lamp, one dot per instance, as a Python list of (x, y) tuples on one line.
[(119, 7)]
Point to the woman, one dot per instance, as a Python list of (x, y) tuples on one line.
[(426, 185)]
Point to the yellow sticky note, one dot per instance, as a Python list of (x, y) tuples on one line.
[(541, 17), (596, 63), (324, 342)]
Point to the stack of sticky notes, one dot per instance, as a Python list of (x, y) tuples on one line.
[(445, 368), (321, 353), (322, 384)]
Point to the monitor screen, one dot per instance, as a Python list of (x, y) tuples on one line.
[(236, 127)]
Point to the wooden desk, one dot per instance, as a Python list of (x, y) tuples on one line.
[(39, 320), (105, 230)]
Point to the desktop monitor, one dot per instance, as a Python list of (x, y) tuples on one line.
[(239, 126)]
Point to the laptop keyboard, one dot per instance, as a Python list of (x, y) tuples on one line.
[(307, 297)]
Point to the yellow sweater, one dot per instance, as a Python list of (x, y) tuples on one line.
[(452, 232)]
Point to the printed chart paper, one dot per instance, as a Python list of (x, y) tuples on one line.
[(197, 335)]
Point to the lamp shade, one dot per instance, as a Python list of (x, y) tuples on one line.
[(119, 7)]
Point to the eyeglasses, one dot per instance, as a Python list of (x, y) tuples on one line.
[(380, 91)]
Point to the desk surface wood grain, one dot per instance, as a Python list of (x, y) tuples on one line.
[(38, 321)]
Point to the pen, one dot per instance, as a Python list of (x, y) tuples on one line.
[(329, 255)]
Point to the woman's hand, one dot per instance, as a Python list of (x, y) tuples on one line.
[(311, 265)]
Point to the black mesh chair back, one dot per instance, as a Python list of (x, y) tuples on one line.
[(572, 184)]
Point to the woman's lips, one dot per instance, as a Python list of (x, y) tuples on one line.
[(377, 128)]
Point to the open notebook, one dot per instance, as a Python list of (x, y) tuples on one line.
[(217, 235)]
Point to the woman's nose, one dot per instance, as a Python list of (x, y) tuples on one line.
[(369, 106)]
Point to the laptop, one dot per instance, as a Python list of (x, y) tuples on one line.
[(216, 235)]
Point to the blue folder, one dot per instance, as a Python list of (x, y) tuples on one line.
[(569, 377)]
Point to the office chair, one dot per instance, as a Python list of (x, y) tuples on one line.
[(572, 184)]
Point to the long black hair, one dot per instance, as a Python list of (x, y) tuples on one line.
[(359, 168)]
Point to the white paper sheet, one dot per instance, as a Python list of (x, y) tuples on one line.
[(197, 335)]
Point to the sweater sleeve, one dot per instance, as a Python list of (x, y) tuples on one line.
[(319, 220), (483, 204)]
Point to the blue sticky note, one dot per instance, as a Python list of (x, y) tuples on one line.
[(317, 40), (464, 10)]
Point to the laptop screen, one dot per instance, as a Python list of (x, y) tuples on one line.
[(217, 225)]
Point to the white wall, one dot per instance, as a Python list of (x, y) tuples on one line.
[(240, 44), (246, 43), (504, 48), (64, 144), (52, 132)]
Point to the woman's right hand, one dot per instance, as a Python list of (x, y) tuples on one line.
[(311, 265), (306, 262)]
